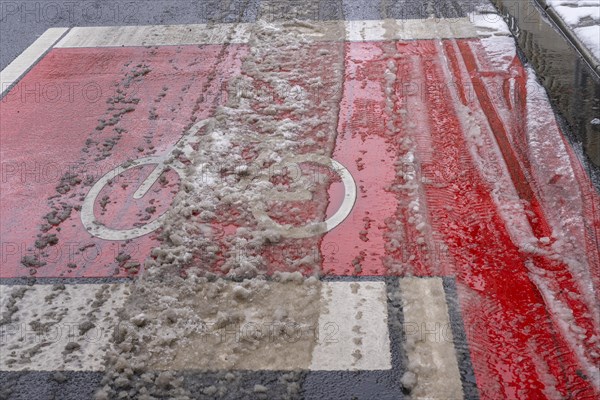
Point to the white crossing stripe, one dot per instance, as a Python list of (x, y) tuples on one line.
[(26, 59), (58, 328), (329, 326), (358, 313), (286, 326), (353, 31), (155, 35), (429, 341), (409, 29)]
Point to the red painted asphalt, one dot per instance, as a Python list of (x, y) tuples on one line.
[(44, 137), (446, 222)]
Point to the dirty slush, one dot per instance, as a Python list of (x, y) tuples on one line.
[(180, 304)]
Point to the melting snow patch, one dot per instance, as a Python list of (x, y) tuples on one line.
[(41, 327), (490, 25)]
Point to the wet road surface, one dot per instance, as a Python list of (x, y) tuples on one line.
[(382, 207)]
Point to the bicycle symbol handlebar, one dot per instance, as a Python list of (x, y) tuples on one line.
[(165, 162)]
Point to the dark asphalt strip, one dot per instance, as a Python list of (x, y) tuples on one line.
[(359, 385), (461, 346), (49, 385)]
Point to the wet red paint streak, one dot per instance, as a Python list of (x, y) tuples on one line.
[(518, 346), (520, 179), (508, 316)]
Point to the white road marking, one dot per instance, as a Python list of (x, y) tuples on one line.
[(353, 328), (298, 232), (355, 31), (26, 59), (429, 342), (409, 29), (184, 144), (88, 217), (42, 333), (155, 35)]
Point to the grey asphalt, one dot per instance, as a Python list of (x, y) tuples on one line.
[(21, 22)]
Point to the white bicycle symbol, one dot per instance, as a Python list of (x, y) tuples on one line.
[(169, 161)]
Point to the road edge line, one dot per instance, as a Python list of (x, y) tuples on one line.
[(19, 67)]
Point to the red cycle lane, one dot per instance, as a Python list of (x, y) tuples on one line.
[(436, 136), (78, 114)]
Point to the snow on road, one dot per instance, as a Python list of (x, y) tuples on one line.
[(583, 17)]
